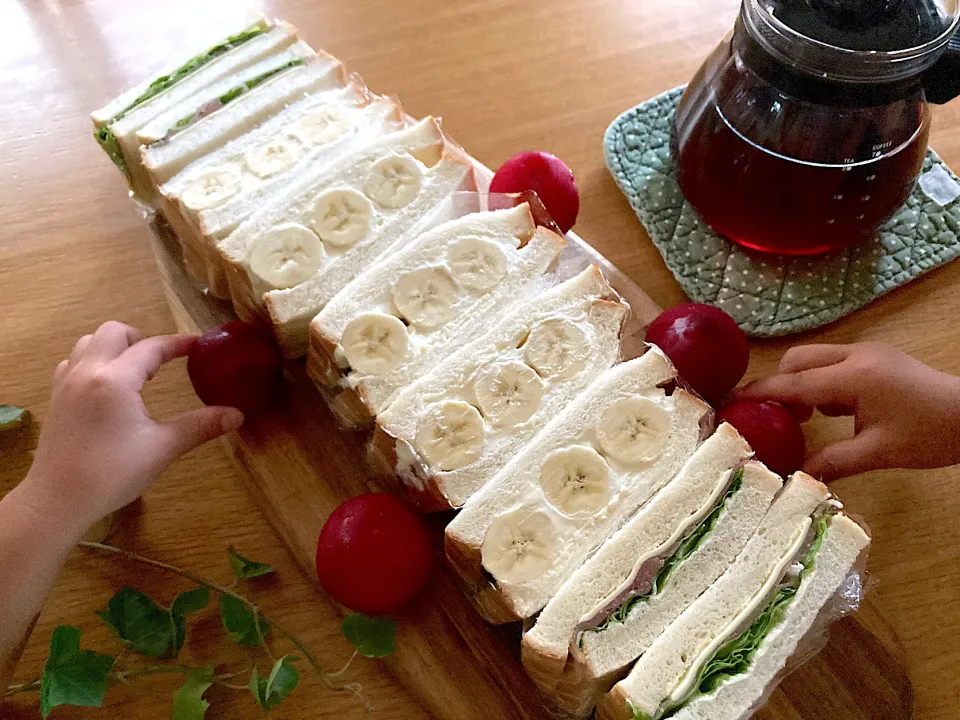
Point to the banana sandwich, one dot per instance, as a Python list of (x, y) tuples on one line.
[(210, 197), (165, 158), (400, 318), (446, 435)]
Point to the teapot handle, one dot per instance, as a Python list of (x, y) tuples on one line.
[(941, 83)]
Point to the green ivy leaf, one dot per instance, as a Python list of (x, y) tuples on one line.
[(183, 604), (244, 568), (240, 622), (373, 637), (12, 417), (257, 686), (188, 702), (282, 681), (140, 623), (190, 601), (148, 628), (72, 676)]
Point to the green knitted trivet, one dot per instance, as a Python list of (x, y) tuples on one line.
[(768, 295)]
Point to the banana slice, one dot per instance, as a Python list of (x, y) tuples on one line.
[(286, 255), (450, 435), (556, 347), (477, 264), (633, 430), (509, 393), (212, 188), (576, 480), (519, 546), (426, 297), (321, 126), (394, 180), (341, 216), (374, 343), (273, 156)]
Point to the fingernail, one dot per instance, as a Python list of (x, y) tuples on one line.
[(231, 420)]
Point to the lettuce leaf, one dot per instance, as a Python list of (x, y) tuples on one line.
[(111, 146), (232, 94), (687, 548), (735, 656)]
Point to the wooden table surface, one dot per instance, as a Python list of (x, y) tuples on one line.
[(505, 76)]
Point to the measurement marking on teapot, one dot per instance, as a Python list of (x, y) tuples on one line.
[(847, 165)]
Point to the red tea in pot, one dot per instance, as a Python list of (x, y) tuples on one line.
[(806, 155)]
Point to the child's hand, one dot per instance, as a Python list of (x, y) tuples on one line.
[(907, 414), (99, 450)]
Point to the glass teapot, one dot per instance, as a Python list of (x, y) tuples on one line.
[(806, 128)]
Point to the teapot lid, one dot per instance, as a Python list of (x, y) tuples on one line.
[(858, 40), (871, 25)]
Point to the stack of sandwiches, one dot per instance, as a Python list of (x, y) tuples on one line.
[(659, 571)]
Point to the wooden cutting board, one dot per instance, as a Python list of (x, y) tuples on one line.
[(300, 466)]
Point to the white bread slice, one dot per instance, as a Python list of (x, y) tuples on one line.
[(528, 253), (674, 655), (657, 529), (443, 169), (844, 543), (576, 537), (363, 117), (160, 125), (586, 300), (249, 53), (164, 159), (116, 106)]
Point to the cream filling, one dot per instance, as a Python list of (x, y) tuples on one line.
[(409, 467)]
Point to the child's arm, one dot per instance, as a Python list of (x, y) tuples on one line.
[(98, 451), (907, 415)]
